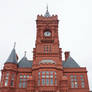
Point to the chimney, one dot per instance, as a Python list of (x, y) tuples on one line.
[(67, 54)]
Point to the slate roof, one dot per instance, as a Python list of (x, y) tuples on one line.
[(25, 63), (12, 57), (70, 63)]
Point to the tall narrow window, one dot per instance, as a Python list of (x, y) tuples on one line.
[(74, 81), (51, 78), (39, 78), (2, 79), (24, 83), (43, 81), (55, 79), (20, 83), (6, 79), (12, 80), (82, 81)]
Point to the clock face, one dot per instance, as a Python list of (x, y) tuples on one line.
[(47, 33)]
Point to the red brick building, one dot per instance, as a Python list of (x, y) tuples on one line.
[(47, 72)]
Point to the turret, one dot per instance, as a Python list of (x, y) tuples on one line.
[(10, 70)]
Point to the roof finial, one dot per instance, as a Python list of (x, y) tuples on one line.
[(25, 53), (47, 7), (47, 14), (14, 45)]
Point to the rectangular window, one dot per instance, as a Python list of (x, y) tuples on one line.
[(51, 81), (12, 80), (51, 76), (47, 81), (47, 72), (24, 84), (20, 83), (55, 81), (74, 81), (72, 84), (39, 78), (6, 79), (82, 84), (21, 76), (47, 78), (6, 82), (82, 81), (43, 81), (43, 76), (38, 81), (27, 76), (23, 81), (76, 84)]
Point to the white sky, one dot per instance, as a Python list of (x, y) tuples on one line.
[(17, 24)]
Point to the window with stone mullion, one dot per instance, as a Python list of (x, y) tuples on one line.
[(74, 81), (82, 81), (12, 80), (23, 81), (46, 78), (6, 79)]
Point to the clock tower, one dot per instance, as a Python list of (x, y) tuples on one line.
[(47, 42), (47, 56)]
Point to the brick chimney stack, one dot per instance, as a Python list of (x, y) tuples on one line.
[(67, 54)]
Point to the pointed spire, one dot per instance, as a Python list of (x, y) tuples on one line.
[(47, 7), (47, 14), (13, 56), (14, 45), (25, 53)]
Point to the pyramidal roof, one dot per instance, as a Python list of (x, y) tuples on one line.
[(70, 63), (47, 14), (12, 57), (25, 63)]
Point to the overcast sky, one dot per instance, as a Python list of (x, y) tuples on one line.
[(17, 24)]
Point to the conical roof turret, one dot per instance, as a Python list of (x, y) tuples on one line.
[(12, 57)]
